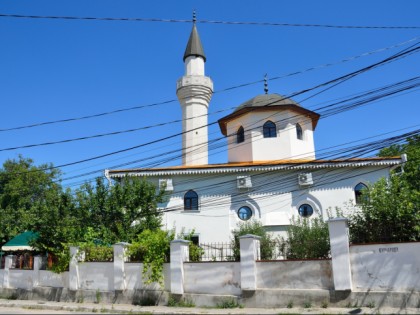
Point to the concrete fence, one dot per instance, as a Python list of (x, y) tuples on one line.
[(352, 270)]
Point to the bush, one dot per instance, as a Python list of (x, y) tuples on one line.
[(308, 238), (196, 252), (95, 253), (154, 248), (255, 228)]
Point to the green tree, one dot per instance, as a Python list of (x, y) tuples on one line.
[(411, 147), (390, 212), (390, 209), (119, 212), (23, 185)]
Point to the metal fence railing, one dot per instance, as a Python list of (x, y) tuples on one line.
[(216, 252)]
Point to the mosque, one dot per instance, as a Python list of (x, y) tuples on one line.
[(271, 175)]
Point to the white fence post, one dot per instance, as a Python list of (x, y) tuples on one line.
[(340, 253), (250, 253), (74, 268), (179, 254), (7, 265), (119, 267), (37, 267)]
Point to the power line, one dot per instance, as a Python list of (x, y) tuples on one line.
[(204, 22), (396, 56), (97, 115)]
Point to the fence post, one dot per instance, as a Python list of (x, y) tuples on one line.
[(119, 267), (37, 268), (7, 265), (74, 268), (340, 253), (179, 254), (250, 252)]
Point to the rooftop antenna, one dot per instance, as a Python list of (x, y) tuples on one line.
[(265, 84)]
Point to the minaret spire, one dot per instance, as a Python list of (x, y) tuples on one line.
[(194, 91), (194, 47), (265, 84)]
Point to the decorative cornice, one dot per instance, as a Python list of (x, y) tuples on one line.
[(226, 168)]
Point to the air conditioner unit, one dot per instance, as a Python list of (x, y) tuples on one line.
[(305, 179), (166, 184), (244, 182)]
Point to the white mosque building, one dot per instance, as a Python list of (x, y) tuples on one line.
[(271, 175)]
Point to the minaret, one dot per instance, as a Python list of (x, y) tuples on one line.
[(194, 91)]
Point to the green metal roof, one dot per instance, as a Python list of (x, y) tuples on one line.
[(20, 242)]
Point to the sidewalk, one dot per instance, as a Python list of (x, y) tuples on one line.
[(133, 309)]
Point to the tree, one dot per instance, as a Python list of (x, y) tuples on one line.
[(120, 212), (22, 185), (411, 147), (390, 209), (389, 213)]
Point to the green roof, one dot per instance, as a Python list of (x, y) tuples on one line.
[(20, 242)]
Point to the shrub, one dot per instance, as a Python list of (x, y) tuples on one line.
[(153, 247), (308, 238), (253, 227)]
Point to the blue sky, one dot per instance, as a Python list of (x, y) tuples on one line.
[(59, 69)]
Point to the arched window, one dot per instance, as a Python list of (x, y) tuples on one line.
[(191, 200), (299, 132), (269, 130), (359, 193), (244, 213), (305, 210), (240, 135)]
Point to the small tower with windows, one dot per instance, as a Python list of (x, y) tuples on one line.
[(269, 127), (194, 91)]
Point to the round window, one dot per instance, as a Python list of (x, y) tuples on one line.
[(305, 210), (244, 213)]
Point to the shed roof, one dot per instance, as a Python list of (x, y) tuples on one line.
[(20, 242)]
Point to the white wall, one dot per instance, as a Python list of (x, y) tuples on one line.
[(274, 198), (96, 276), (52, 279), (302, 274), (23, 279), (1, 277), (284, 146), (220, 278), (383, 267), (134, 277)]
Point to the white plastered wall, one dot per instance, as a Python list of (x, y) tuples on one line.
[(284, 146)]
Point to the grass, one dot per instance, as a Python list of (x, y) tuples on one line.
[(289, 304), (307, 304), (173, 302), (228, 303)]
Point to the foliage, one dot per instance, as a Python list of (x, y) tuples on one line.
[(22, 186), (174, 301), (97, 253), (61, 261), (154, 248), (123, 210), (389, 213), (227, 303), (196, 252), (411, 168), (253, 227), (308, 238)]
